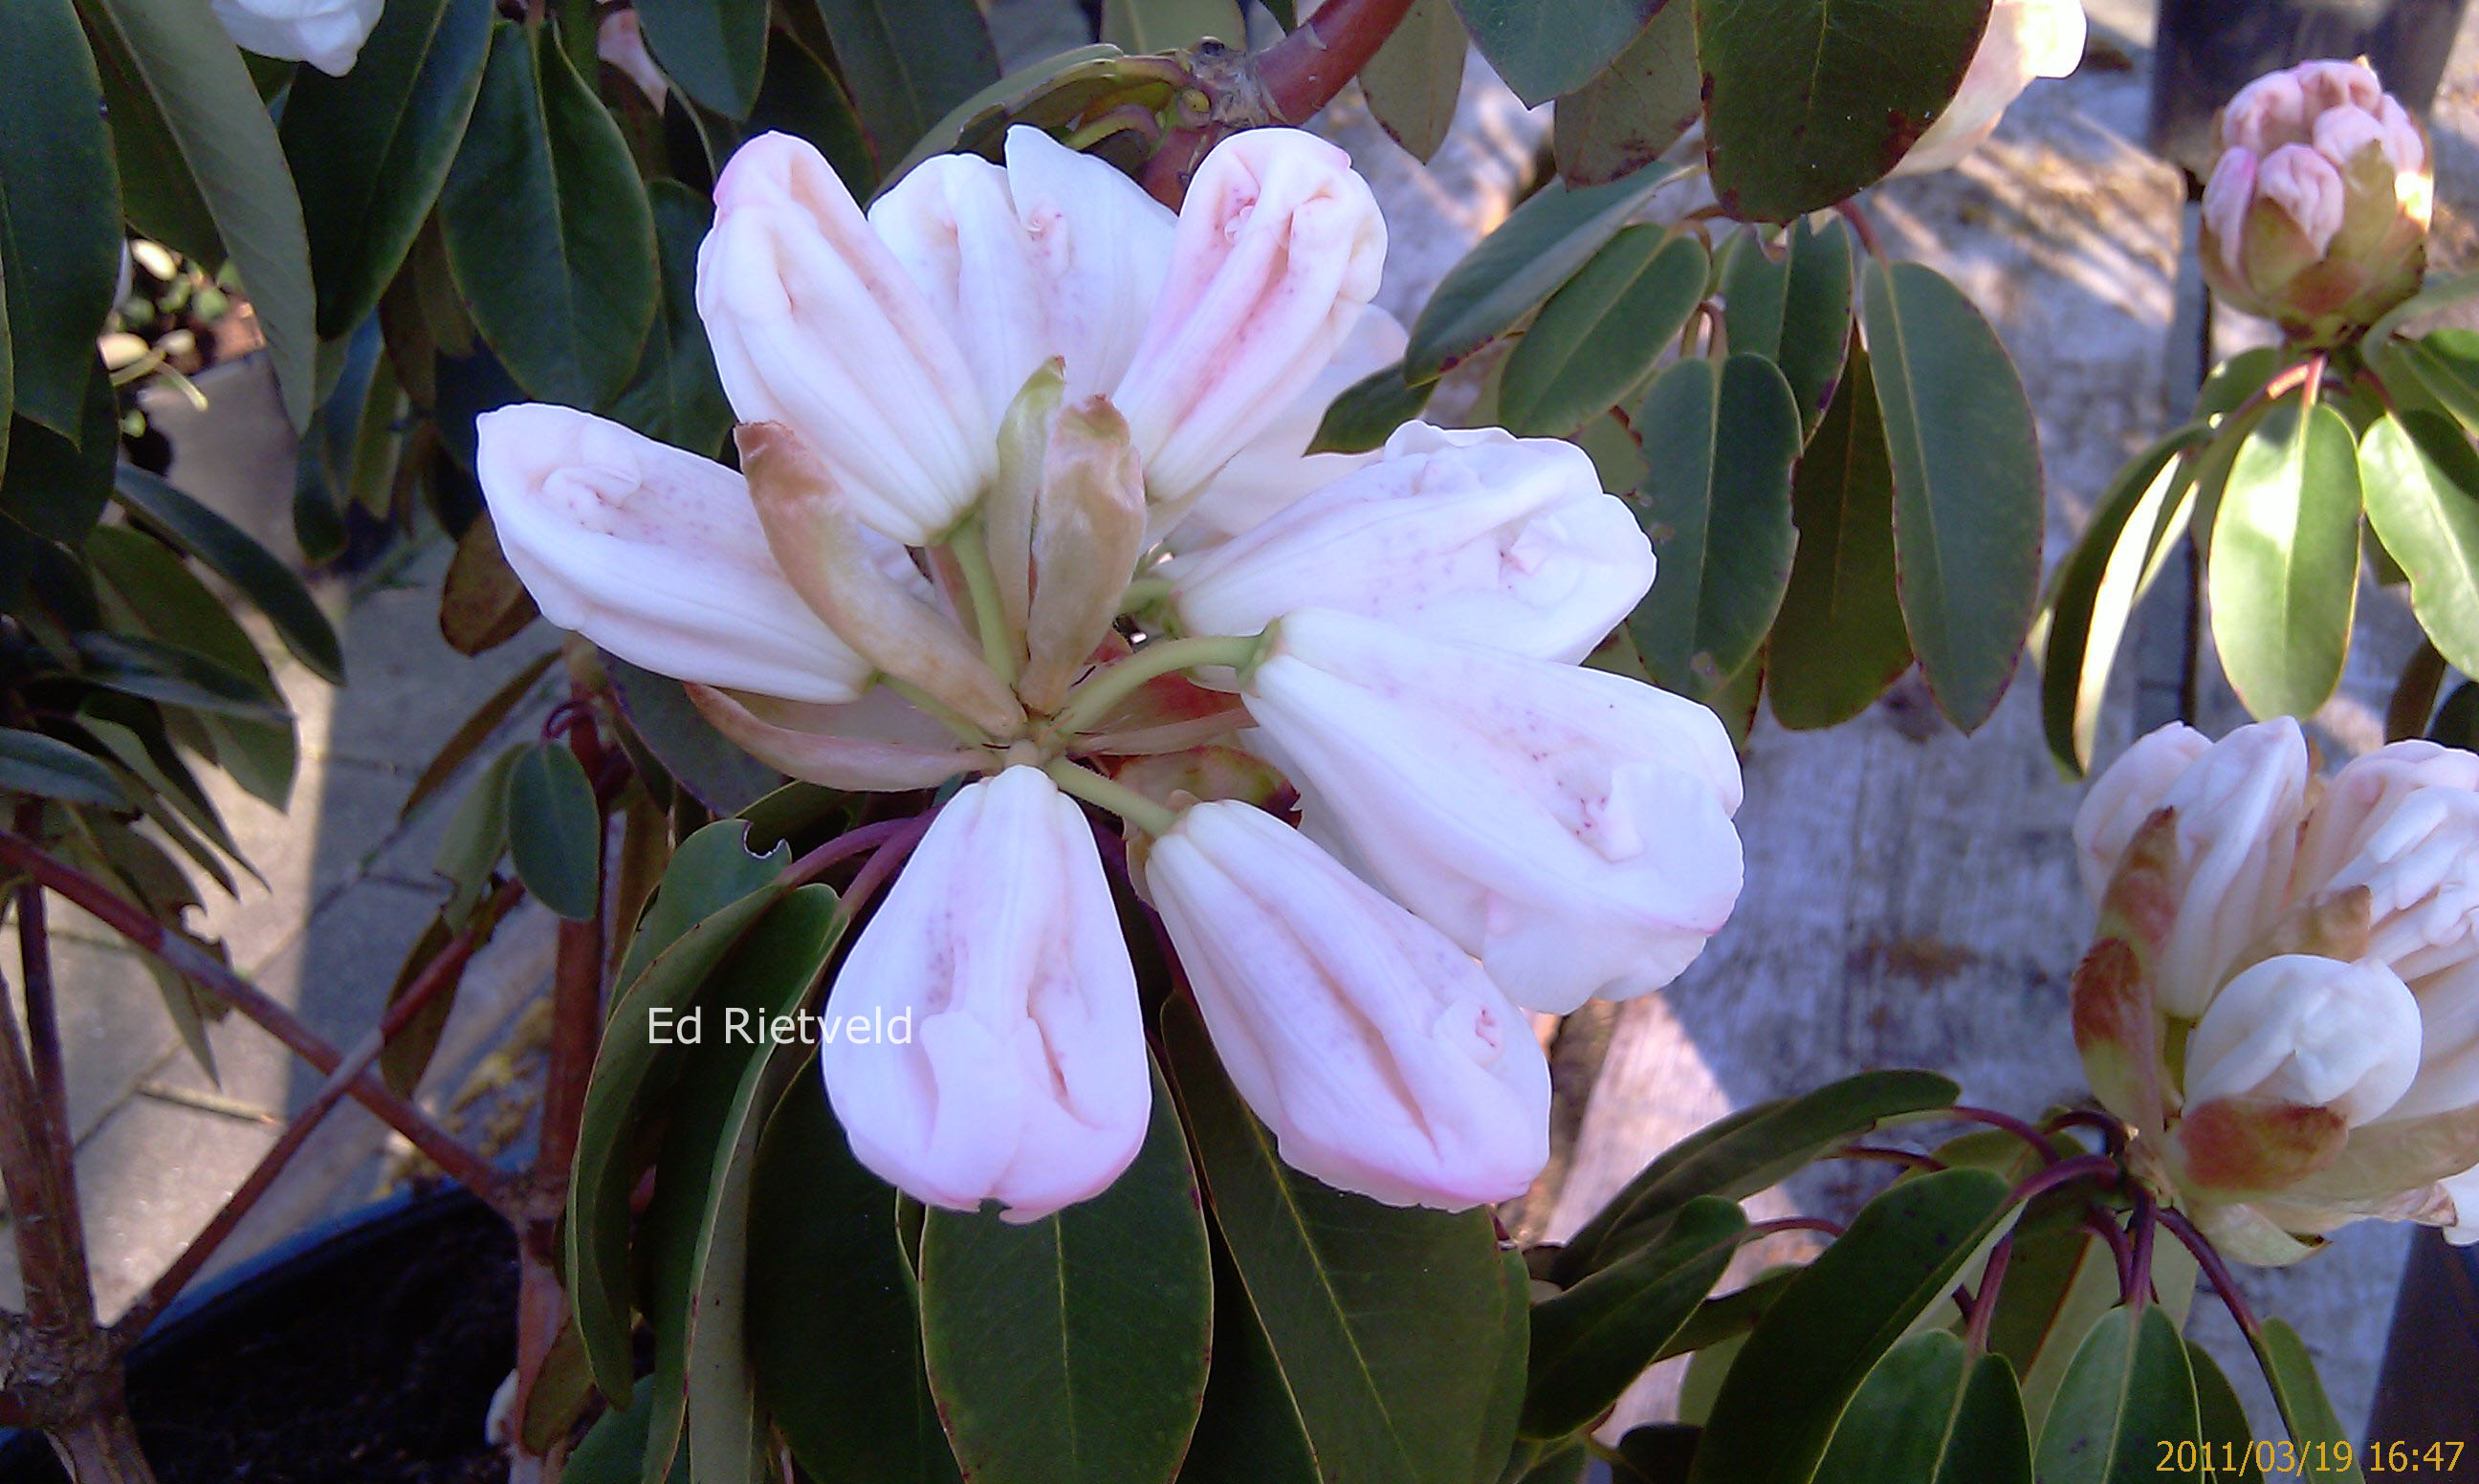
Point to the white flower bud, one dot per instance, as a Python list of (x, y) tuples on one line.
[(2309, 1033), (1383, 1059), (998, 951), (327, 34)]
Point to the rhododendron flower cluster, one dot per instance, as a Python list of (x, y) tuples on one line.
[(2284, 999), (1023, 499)]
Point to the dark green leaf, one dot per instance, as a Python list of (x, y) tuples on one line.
[(836, 1341), (1749, 1150), (2235, 380), (2283, 575), (1414, 81), (675, 396), (1839, 639), (1539, 1464), (1364, 414), (56, 486), (226, 142), (1074, 1346), (1930, 1415), (1386, 1319), (801, 96), (1598, 337), (176, 675), (908, 62), (1518, 266), (723, 779), (714, 49), (48, 768), (711, 896), (1803, 325), (1544, 50), (1806, 101), (2133, 531), (2420, 478), (477, 837), (228, 551), (408, 1052), (1622, 120), (370, 149), (1249, 1431), (555, 830), (1815, 1347), (2229, 1443), (2127, 1393), (1967, 500), (1138, 26), (548, 229), (1719, 443), (2056, 1286), (2314, 1427), (60, 217), (1590, 1342), (772, 972), (1656, 1453)]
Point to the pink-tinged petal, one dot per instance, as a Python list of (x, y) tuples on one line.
[(952, 225), (2227, 195), (1278, 247), (653, 553), (873, 745), (1023, 1076), (2331, 84), (1382, 1057), (2307, 188), (621, 42), (816, 325), (2265, 115), (1274, 468), (1102, 248)]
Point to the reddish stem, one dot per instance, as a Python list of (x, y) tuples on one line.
[(2039, 1141), (1780, 1224), (1983, 1304), (2137, 1288), (1906, 1158), (1303, 71), (1851, 212), (843, 846), (2209, 1258), (184, 958)]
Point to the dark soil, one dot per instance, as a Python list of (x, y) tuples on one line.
[(374, 1368)]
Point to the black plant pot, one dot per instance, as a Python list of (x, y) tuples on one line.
[(364, 1351)]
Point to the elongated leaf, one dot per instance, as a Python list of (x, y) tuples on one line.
[(714, 49), (2284, 576), (482, 602), (1839, 639), (48, 768), (2132, 533), (772, 971), (908, 62), (228, 551), (2057, 1288), (1518, 266), (711, 896), (1249, 1430), (555, 830), (1813, 1350), (226, 142), (675, 396), (1075, 1345), (56, 486), (2420, 478), (1386, 1319), (372, 148), (1806, 101), (176, 675), (1138, 26), (1931, 1414), (1749, 1150), (836, 1339), (1541, 1464), (1601, 334), (1967, 500), (1364, 414), (1621, 119), (1414, 81), (2314, 1427), (721, 776), (548, 229), (2128, 1392), (474, 731), (2229, 1443), (60, 217), (477, 837), (1719, 443), (1591, 1343), (1795, 311), (1544, 50)]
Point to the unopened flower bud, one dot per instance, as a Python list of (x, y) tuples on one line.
[(1382, 1057), (824, 553), (2316, 214), (1088, 529), (1475, 536), (1024, 1077)]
